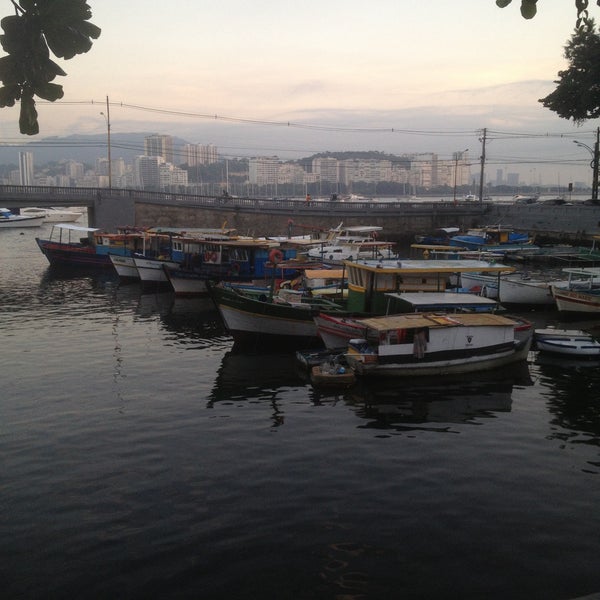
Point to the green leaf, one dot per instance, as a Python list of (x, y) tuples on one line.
[(9, 95), (528, 8), (49, 91), (28, 122)]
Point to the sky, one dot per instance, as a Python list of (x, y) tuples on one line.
[(290, 79)]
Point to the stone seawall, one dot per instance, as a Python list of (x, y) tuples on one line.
[(400, 223)]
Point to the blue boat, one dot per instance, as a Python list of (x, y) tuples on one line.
[(494, 239)]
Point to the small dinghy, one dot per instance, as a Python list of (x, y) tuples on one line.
[(572, 343)]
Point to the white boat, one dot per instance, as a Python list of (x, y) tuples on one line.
[(151, 270), (426, 344), (336, 331), (124, 266), (515, 288), (53, 214), (572, 343), (578, 297), (351, 243), (9, 219)]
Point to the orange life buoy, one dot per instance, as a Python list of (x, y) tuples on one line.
[(374, 235), (275, 256)]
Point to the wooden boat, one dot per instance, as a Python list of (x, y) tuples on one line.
[(216, 258), (512, 288), (370, 282), (332, 376), (567, 342), (285, 318), (10, 220), (496, 238), (578, 297), (337, 331), (425, 344), (72, 245)]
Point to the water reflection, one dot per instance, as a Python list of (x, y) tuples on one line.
[(411, 403), (572, 390), (258, 378)]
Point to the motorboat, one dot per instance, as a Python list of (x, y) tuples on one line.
[(53, 214), (9, 219)]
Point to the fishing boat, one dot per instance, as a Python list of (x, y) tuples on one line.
[(337, 331), (496, 238), (71, 245), (266, 318), (426, 344), (439, 237), (581, 294), (10, 220), (332, 375), (370, 282), (215, 258), (567, 342), (53, 214)]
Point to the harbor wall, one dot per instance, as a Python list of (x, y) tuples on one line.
[(565, 223)]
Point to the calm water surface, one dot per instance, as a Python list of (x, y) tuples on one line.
[(144, 457)]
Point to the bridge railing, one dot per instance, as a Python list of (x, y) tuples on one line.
[(51, 195)]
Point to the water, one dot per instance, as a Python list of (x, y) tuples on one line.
[(143, 457)]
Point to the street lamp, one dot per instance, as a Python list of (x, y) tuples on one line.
[(107, 117), (595, 153), (456, 155)]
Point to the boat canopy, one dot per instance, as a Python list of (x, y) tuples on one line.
[(74, 227), (432, 320)]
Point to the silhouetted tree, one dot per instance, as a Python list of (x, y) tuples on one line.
[(37, 28)]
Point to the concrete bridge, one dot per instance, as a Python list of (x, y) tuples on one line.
[(401, 219)]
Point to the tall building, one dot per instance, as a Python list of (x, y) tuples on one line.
[(159, 145), (26, 168), (147, 172), (198, 154), (263, 170)]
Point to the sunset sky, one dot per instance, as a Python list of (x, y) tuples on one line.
[(421, 76)]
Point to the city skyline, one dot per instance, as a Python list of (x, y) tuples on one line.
[(162, 166)]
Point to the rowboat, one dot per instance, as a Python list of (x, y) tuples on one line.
[(568, 342)]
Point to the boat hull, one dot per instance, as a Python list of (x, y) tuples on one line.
[(471, 364), (73, 255), (259, 320), (18, 222), (125, 267), (577, 301), (151, 271)]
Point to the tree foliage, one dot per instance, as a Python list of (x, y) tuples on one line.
[(577, 95), (529, 10), (38, 28)]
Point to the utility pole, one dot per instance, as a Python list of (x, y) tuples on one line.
[(481, 175), (107, 117), (595, 166)]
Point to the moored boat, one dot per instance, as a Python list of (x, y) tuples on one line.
[(10, 220), (53, 214), (572, 343), (422, 344), (285, 318), (578, 297)]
